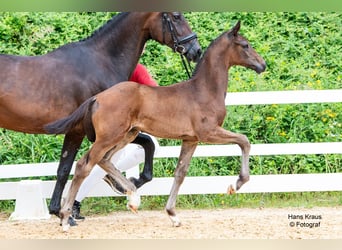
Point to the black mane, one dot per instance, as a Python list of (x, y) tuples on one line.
[(110, 24)]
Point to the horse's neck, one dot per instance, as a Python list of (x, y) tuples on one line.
[(213, 73), (121, 41)]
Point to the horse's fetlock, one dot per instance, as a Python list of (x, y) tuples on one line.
[(242, 180), (146, 177)]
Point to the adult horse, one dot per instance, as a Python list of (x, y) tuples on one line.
[(193, 111), (37, 90)]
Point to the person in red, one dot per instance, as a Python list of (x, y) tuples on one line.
[(128, 157), (142, 76)]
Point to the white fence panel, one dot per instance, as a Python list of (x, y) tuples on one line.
[(284, 97), (207, 185), (256, 149)]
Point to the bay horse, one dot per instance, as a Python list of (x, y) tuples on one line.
[(192, 111), (37, 90)]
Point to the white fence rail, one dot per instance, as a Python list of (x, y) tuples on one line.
[(216, 184)]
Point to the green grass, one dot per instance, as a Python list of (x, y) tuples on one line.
[(106, 205), (303, 52)]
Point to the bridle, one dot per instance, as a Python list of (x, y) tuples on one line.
[(178, 44)]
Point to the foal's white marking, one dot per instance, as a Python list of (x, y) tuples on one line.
[(175, 221), (133, 201)]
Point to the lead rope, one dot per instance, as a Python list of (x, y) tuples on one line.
[(186, 66)]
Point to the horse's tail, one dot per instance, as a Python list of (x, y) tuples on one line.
[(81, 116)]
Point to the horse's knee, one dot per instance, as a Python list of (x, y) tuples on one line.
[(244, 143)]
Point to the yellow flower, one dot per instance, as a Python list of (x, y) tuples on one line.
[(270, 118), (256, 117), (282, 133), (313, 74), (332, 115)]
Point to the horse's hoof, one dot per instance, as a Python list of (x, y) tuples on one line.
[(65, 228), (230, 189), (132, 209), (54, 212), (71, 221), (175, 221), (133, 202)]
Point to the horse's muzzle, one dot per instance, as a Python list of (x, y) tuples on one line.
[(194, 53), (260, 67)]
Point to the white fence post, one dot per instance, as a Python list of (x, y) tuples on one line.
[(30, 203)]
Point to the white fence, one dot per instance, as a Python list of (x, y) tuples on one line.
[(216, 184)]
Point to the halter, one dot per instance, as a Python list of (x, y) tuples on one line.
[(178, 43)]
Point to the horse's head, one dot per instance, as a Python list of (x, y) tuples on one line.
[(242, 53), (172, 29)]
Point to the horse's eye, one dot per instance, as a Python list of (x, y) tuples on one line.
[(176, 16), (245, 46)]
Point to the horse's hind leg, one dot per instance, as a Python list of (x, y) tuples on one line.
[(115, 179), (83, 168), (148, 145), (70, 148), (118, 182)]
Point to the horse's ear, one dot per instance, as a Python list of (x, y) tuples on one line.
[(236, 28), (234, 31)]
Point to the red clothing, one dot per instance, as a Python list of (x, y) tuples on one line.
[(141, 75)]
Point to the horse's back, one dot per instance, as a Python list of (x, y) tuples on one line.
[(47, 83)]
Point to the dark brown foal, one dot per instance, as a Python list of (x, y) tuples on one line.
[(192, 111)]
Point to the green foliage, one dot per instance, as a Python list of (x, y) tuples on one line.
[(302, 51)]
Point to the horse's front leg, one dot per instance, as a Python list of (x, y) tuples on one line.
[(187, 150), (222, 136), (149, 147), (72, 142)]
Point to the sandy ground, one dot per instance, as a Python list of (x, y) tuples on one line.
[(267, 223)]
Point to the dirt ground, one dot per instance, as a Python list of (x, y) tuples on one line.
[(267, 223)]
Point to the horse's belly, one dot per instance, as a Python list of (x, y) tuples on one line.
[(21, 124), (27, 118), (170, 130)]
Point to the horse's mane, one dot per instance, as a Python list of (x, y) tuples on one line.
[(212, 44), (111, 23)]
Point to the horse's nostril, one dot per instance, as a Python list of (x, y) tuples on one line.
[(198, 55), (199, 52)]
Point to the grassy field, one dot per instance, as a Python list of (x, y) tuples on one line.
[(302, 51)]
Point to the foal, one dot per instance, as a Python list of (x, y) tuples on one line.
[(193, 111)]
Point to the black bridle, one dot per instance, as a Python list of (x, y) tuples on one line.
[(178, 44)]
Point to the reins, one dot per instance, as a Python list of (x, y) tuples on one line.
[(178, 43)]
